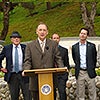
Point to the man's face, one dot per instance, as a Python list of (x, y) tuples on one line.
[(83, 35), (56, 38), (42, 31), (15, 40)]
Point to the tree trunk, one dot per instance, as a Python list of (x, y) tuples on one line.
[(88, 18), (6, 9), (30, 6), (48, 5)]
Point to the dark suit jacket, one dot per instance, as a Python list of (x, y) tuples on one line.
[(35, 59), (65, 58), (91, 59), (7, 53)]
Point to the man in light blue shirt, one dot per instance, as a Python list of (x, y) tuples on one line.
[(84, 55)]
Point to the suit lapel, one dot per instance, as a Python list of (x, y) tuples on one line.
[(46, 50), (38, 46), (46, 46), (11, 49), (87, 48), (23, 50), (10, 54), (78, 50)]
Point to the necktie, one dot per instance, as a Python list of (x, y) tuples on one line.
[(16, 60), (42, 46)]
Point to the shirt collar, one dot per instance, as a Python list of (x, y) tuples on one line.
[(82, 44), (15, 45), (42, 41)]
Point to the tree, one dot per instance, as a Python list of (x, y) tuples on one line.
[(6, 9), (48, 5), (88, 18), (30, 6)]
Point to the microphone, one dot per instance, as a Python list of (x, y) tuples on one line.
[(47, 47)]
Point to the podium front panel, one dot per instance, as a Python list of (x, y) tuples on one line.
[(46, 91), (45, 81)]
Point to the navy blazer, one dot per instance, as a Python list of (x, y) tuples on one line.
[(7, 53), (64, 55), (65, 59), (91, 59)]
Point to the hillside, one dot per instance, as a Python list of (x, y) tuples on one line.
[(65, 20)]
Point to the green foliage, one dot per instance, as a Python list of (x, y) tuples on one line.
[(65, 20), (1, 74), (98, 71), (98, 9), (72, 71), (21, 0)]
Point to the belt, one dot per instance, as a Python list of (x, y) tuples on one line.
[(17, 73), (83, 69)]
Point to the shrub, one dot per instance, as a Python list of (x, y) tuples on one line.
[(98, 71)]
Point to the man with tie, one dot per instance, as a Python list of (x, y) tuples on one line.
[(37, 57), (85, 57), (14, 54)]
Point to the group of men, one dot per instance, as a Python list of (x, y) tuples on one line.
[(47, 53)]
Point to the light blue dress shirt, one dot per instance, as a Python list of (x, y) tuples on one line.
[(82, 48)]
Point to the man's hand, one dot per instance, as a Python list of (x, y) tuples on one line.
[(23, 74), (67, 70), (3, 70)]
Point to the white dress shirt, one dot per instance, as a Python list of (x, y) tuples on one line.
[(20, 56)]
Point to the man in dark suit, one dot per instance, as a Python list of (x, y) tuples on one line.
[(84, 55), (62, 78), (41, 53), (13, 70)]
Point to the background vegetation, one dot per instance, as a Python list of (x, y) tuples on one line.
[(65, 20)]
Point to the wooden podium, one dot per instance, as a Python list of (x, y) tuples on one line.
[(45, 81)]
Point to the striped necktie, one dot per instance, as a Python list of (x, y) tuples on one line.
[(42, 46), (16, 60)]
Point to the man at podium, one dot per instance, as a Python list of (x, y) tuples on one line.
[(41, 53)]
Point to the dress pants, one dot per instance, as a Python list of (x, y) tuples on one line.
[(82, 78), (62, 78), (62, 89), (35, 95), (15, 84)]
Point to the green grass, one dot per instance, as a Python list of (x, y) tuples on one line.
[(72, 70), (65, 20)]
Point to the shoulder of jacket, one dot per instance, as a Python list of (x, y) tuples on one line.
[(7, 46), (90, 43), (62, 47), (23, 45), (31, 43), (75, 44)]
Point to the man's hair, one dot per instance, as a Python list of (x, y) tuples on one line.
[(41, 23), (85, 29), (53, 34)]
